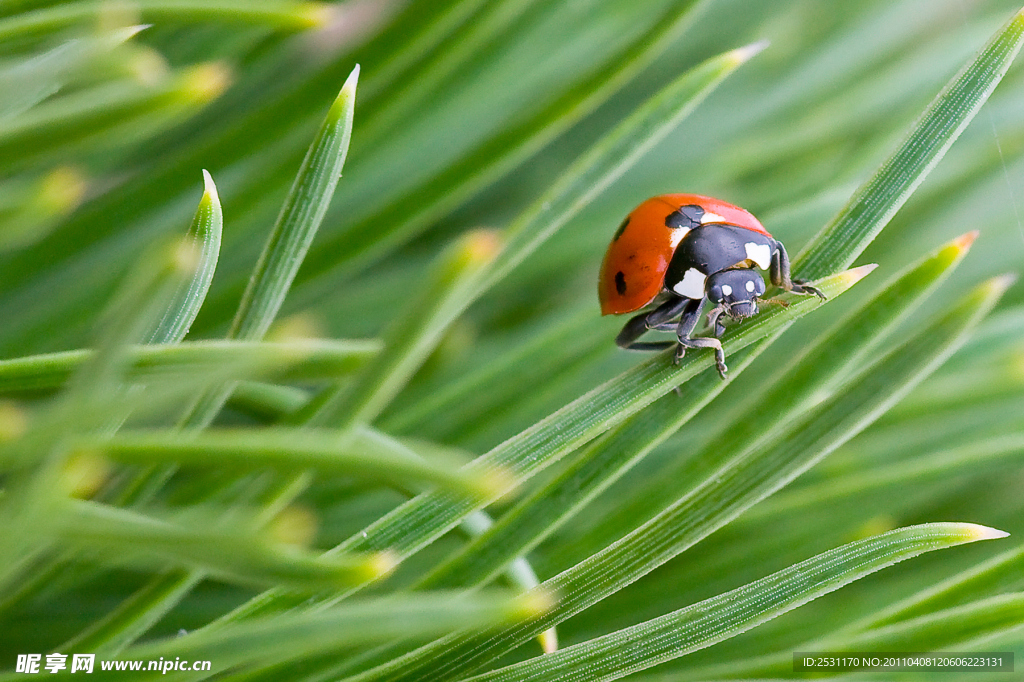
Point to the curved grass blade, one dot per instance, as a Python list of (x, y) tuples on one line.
[(300, 217), (738, 484), (713, 620), (293, 360), (878, 200), (428, 516), (411, 337), (204, 234), (296, 225), (281, 15), (122, 537), (287, 449)]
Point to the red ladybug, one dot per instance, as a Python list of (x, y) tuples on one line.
[(681, 250)]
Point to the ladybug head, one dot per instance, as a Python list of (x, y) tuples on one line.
[(736, 291)]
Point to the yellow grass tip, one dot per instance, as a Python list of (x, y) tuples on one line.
[(343, 101), (964, 241), (1000, 283), (743, 54), (548, 640), (84, 473), (62, 189), (315, 15), (854, 275), (148, 66), (975, 532), (205, 82), (481, 246), (304, 326)]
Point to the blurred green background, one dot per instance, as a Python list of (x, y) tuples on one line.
[(102, 141)]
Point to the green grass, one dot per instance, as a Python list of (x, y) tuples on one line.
[(360, 418)]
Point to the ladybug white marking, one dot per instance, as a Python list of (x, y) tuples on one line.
[(677, 235), (750, 286), (759, 253), (726, 290), (711, 218), (692, 284)]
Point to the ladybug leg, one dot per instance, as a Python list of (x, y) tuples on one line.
[(655, 319), (687, 324), (714, 319), (779, 273)]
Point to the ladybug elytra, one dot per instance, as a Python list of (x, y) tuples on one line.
[(680, 251)]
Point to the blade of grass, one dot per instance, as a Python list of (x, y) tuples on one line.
[(738, 484), (296, 225), (292, 360), (286, 449), (878, 199), (713, 620), (204, 234), (120, 537), (303, 635), (280, 15), (813, 374)]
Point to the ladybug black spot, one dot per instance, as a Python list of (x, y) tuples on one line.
[(622, 228), (620, 283)]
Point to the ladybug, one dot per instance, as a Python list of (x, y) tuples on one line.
[(681, 251)]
